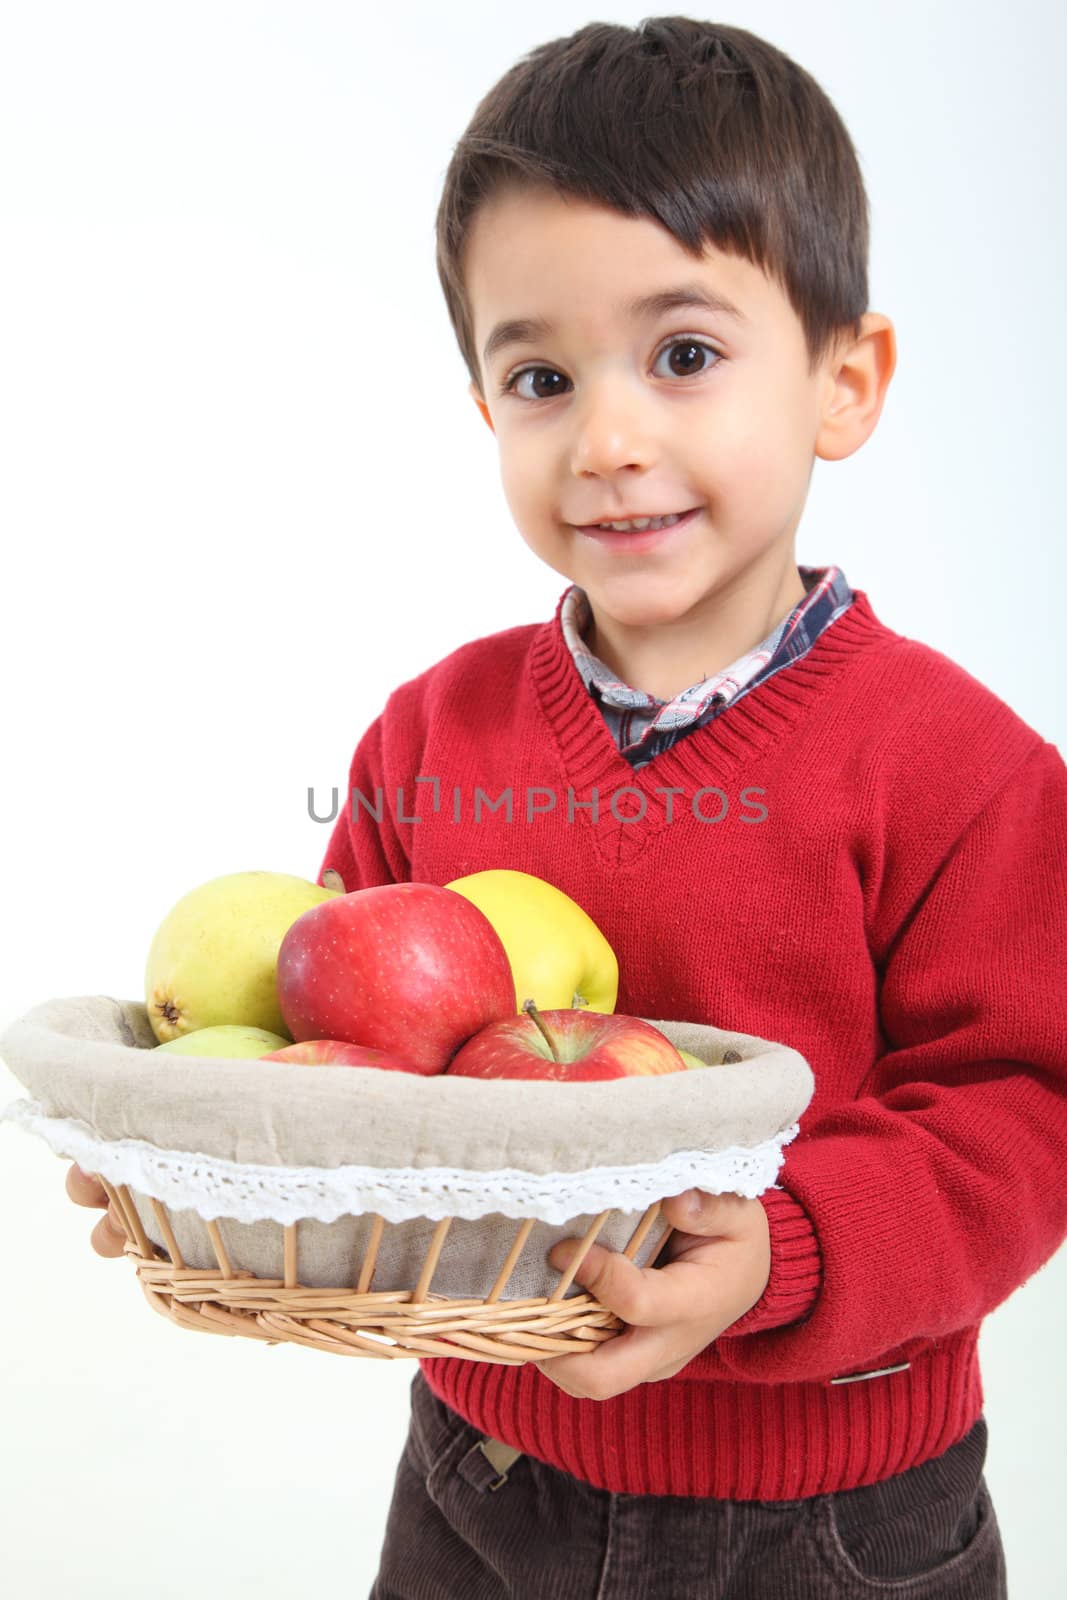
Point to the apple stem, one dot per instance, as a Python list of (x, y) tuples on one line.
[(578, 1000), (532, 1012)]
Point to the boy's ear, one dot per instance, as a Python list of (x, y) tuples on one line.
[(857, 378), (482, 407)]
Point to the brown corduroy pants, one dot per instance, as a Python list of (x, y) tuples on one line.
[(460, 1529)]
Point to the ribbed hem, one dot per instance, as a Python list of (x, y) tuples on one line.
[(730, 1441), (796, 1267)]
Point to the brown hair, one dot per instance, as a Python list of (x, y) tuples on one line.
[(707, 129)]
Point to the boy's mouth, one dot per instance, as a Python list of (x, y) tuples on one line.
[(634, 538), (636, 524)]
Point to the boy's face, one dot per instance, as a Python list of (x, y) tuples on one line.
[(609, 420)]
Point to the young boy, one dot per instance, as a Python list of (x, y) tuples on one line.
[(787, 819)]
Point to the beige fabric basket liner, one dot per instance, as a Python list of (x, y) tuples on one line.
[(256, 1144)]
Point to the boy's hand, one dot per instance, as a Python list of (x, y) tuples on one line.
[(718, 1264), (108, 1238)]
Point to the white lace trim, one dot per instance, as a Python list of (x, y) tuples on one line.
[(215, 1187)]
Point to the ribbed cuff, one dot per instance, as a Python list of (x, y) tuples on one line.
[(796, 1268)]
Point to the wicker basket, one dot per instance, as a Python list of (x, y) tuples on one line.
[(356, 1321), (370, 1213)]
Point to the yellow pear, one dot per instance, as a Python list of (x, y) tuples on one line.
[(224, 1040), (559, 957), (214, 957)]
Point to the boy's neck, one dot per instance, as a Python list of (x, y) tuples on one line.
[(664, 659)]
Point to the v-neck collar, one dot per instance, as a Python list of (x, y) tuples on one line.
[(703, 758)]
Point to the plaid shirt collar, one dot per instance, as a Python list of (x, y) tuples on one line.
[(828, 595)]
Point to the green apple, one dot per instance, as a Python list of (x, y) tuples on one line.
[(694, 1061), (214, 957), (559, 957), (224, 1040)]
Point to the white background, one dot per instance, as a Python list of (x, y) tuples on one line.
[(245, 493)]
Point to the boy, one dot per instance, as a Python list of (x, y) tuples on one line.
[(787, 819)]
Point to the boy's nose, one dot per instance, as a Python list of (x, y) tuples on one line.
[(612, 431)]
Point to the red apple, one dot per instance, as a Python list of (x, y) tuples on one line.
[(336, 1053), (575, 1044), (410, 968)]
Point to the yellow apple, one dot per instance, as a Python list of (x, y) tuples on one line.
[(559, 957), (214, 957)]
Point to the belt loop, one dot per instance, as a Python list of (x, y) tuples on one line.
[(486, 1464), (501, 1456)]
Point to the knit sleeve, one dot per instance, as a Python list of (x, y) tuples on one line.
[(365, 848), (939, 1191)]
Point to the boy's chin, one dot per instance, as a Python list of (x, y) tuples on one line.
[(637, 610)]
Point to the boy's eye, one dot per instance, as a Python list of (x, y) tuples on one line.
[(691, 364)]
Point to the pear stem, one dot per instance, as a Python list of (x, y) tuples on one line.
[(532, 1012)]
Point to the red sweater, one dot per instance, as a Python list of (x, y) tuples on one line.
[(873, 874)]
